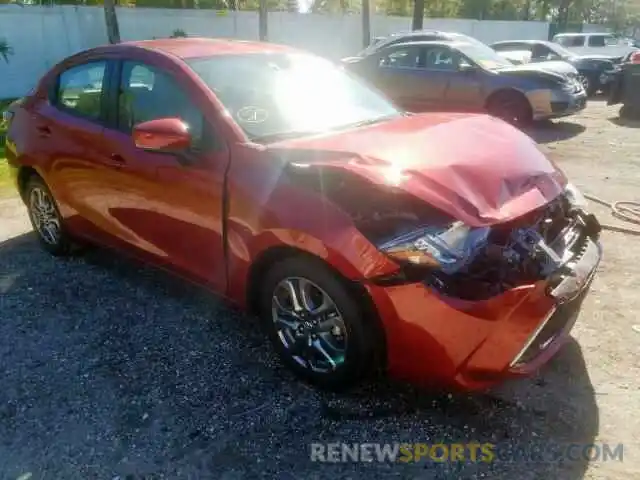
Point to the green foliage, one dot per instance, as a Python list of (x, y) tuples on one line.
[(178, 33), (614, 14), (623, 13), (5, 50)]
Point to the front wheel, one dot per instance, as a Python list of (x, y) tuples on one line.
[(512, 107), (316, 325)]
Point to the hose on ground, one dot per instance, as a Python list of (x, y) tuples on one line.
[(625, 211)]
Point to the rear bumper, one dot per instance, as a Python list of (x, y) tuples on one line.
[(437, 341)]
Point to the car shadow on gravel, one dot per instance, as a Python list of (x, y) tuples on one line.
[(112, 369), (625, 120), (553, 131)]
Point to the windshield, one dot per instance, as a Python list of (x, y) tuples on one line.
[(271, 95), (373, 46), (484, 56), (560, 50)]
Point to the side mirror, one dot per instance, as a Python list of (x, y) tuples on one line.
[(466, 68), (166, 135)]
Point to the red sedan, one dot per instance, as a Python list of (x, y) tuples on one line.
[(442, 248)]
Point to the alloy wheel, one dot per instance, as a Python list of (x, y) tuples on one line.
[(309, 325), (44, 215), (584, 81)]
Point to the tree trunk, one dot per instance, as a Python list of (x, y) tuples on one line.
[(111, 21), (418, 15), (366, 23), (263, 23), (526, 10)]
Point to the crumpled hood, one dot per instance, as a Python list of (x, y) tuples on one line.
[(474, 167)]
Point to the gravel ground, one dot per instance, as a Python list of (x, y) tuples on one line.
[(115, 370)]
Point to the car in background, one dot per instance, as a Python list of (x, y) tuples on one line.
[(444, 249), (415, 36), (605, 44), (444, 75), (436, 35), (595, 71)]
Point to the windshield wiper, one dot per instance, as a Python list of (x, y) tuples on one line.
[(370, 121), (274, 137)]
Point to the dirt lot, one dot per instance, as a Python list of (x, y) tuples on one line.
[(112, 370)]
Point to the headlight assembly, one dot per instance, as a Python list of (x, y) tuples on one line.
[(448, 248), (575, 197)]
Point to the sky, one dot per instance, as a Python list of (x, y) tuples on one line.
[(304, 5)]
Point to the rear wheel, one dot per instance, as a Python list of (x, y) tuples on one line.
[(512, 107), (316, 325), (45, 218)]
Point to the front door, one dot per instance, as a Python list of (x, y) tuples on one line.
[(464, 80), (401, 76), (165, 206)]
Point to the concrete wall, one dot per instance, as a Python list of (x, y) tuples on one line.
[(42, 36)]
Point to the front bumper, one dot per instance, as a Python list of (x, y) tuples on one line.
[(549, 104), (437, 341)]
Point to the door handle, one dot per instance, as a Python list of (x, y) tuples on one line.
[(43, 130), (116, 158)]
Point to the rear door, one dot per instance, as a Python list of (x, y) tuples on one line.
[(168, 207), (69, 127)]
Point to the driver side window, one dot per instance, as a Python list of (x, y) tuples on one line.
[(440, 58), (147, 93), (401, 58), (541, 52)]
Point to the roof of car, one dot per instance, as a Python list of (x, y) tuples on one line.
[(452, 43), (503, 42), (192, 47), (582, 34)]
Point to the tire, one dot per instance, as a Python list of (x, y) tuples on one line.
[(360, 338), (590, 84), (587, 84), (512, 107), (43, 210)]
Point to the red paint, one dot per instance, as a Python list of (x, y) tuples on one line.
[(165, 134), (148, 204)]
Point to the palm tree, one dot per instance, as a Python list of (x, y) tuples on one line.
[(5, 49)]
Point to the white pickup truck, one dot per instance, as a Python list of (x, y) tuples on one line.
[(604, 44)]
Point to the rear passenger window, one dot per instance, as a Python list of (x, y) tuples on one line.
[(571, 41), (599, 41), (80, 90)]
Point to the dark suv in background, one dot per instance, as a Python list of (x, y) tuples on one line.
[(596, 71)]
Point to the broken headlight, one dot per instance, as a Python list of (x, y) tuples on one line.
[(448, 248), (575, 197)]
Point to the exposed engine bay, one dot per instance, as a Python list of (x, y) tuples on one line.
[(456, 260)]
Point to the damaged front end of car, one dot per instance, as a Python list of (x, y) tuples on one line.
[(475, 264), (495, 299), (461, 262)]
